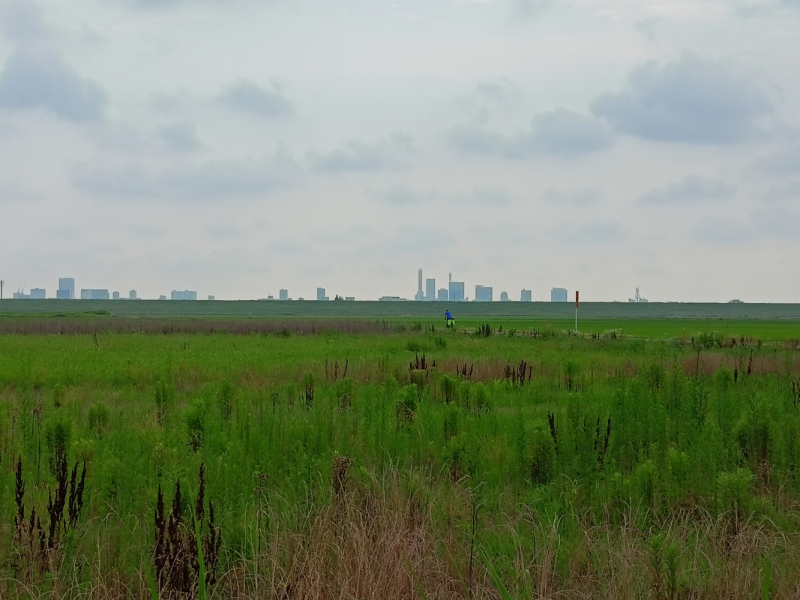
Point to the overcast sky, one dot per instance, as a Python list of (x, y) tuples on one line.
[(236, 147)]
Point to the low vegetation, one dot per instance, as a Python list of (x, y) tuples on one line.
[(398, 462)]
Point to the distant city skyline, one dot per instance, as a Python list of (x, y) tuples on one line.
[(453, 293)]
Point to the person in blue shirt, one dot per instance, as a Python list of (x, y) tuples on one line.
[(448, 318)]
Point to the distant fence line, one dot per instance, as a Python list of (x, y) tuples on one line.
[(79, 326)]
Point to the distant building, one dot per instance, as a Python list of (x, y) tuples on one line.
[(430, 290), (637, 298), (283, 295), (419, 295), (66, 288), (321, 297), (132, 295), (443, 295), (350, 298), (456, 291), (525, 296), (20, 296), (115, 296), (162, 297), (503, 296), (558, 295), (94, 295), (483, 293), (729, 302), (38, 294), (211, 298), (391, 299), (184, 295)]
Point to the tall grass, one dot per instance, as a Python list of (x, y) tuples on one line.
[(345, 466)]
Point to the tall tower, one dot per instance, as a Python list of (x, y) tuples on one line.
[(637, 294), (420, 295)]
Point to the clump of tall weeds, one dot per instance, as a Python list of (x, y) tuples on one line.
[(186, 550), (38, 548)]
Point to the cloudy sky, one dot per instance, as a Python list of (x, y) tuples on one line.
[(235, 147)]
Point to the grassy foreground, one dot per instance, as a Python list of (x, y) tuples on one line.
[(399, 463)]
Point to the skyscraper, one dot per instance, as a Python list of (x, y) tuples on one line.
[(420, 295), (444, 295), (321, 294), (94, 294), (483, 293), (66, 288), (283, 295), (456, 291), (558, 295), (184, 295), (430, 289), (525, 296)]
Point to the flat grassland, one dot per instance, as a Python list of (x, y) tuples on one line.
[(387, 458)]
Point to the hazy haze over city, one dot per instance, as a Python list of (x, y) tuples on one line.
[(241, 146)]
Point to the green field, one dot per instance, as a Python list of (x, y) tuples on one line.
[(406, 310), (387, 458)]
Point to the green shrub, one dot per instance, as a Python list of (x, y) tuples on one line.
[(479, 399), (542, 454), (194, 418), (57, 436), (98, 418), (59, 395), (733, 491), (226, 396)]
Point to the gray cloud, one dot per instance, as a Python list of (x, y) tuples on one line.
[(763, 8), (790, 191), (595, 232), (690, 100), (560, 132), (21, 22), (786, 162), (396, 152), (247, 97), (528, 10), (401, 194), (206, 181), (692, 188), (778, 221), (488, 97), (181, 137), (647, 27), (12, 191), (723, 231), (34, 79), (580, 197)]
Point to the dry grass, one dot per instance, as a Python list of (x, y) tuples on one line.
[(379, 541)]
